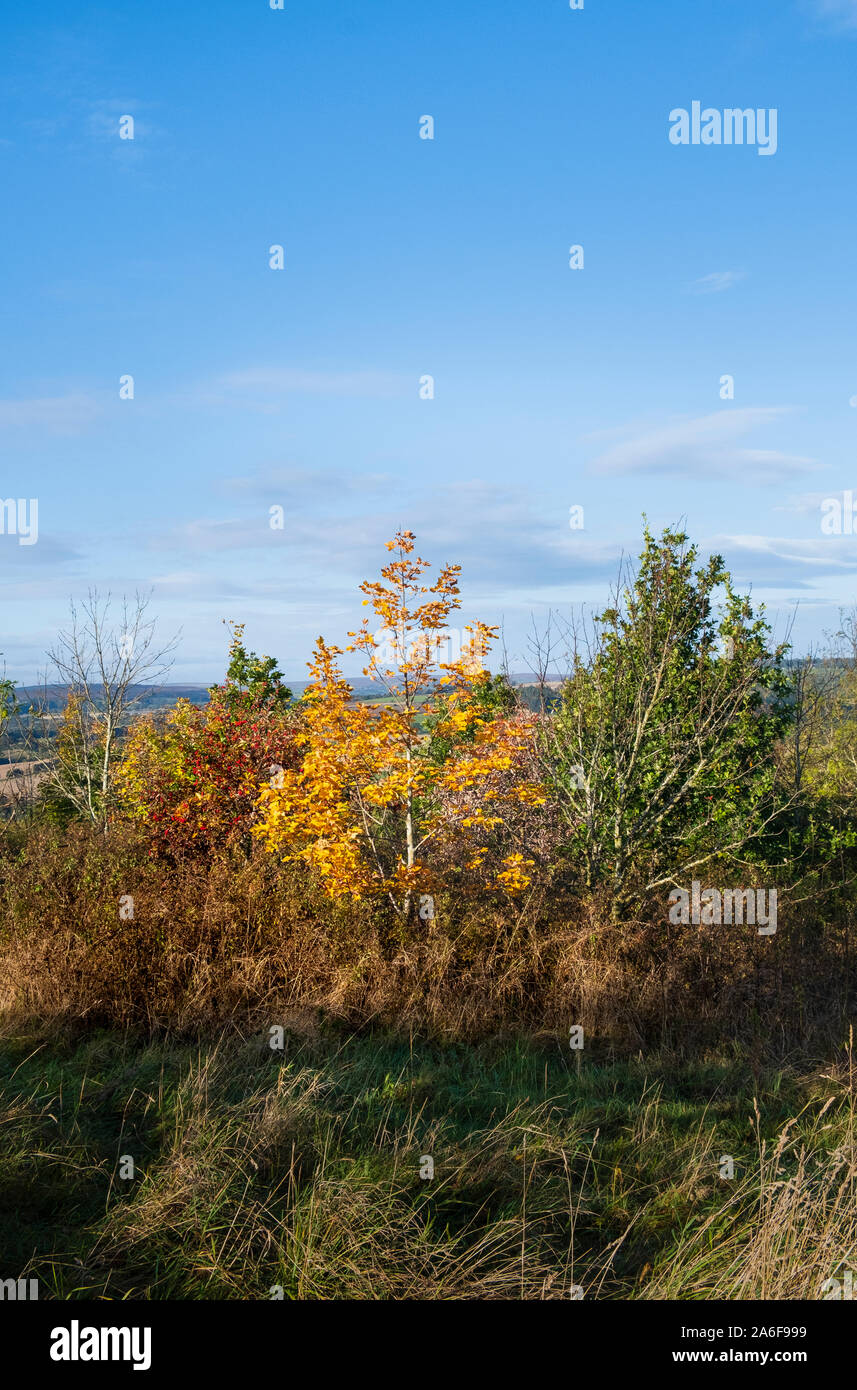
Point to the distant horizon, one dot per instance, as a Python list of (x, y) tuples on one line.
[(519, 677), (357, 682)]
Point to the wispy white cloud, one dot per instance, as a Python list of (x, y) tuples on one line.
[(57, 414), (707, 446), (265, 389), (718, 281), (784, 562), (39, 564), (81, 124), (180, 581), (808, 503), (842, 12), (499, 535), (295, 379), (303, 486)]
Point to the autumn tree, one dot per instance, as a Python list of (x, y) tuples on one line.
[(362, 808), (193, 778)]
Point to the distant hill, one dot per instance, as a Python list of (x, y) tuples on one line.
[(56, 696), (165, 696)]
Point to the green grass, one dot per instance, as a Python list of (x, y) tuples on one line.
[(301, 1169)]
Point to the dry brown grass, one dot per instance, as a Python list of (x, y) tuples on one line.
[(214, 944)]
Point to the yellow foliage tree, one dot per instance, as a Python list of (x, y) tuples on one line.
[(360, 809)]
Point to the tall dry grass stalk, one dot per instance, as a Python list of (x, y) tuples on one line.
[(787, 1226)]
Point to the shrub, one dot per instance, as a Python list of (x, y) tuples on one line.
[(193, 779)]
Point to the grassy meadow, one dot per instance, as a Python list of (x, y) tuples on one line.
[(302, 1170)]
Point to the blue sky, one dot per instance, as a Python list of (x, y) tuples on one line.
[(299, 387)]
